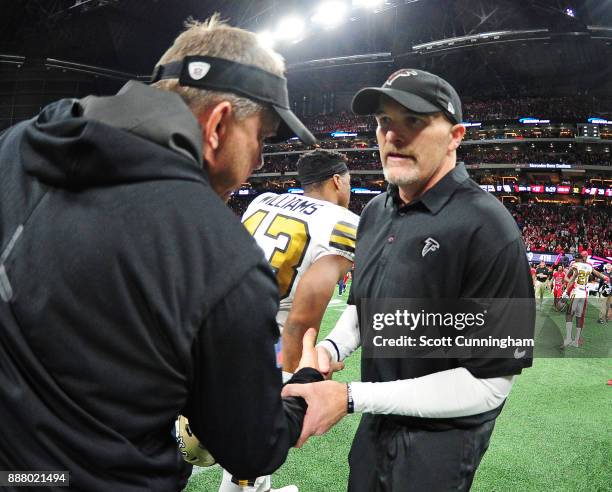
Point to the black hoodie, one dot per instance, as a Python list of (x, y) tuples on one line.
[(129, 293)]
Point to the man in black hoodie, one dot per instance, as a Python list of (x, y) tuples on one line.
[(129, 293)]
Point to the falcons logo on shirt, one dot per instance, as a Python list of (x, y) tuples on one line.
[(431, 245)]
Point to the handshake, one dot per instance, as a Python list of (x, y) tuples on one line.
[(327, 403)]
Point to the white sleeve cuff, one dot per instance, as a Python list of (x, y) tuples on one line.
[(344, 339), (445, 394), (332, 348)]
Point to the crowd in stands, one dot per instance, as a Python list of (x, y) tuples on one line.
[(545, 227), (474, 155), (568, 229), (239, 204), (490, 132), (362, 150), (573, 108), (487, 132), (325, 143), (370, 160), (342, 121), (282, 163), (557, 109), (279, 163), (349, 143)]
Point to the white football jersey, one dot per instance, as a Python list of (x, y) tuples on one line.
[(294, 231), (582, 279)]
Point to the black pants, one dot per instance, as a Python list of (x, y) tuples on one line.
[(390, 457)]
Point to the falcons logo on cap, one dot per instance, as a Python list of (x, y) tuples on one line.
[(405, 72)]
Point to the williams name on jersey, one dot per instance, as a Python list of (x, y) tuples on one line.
[(295, 231)]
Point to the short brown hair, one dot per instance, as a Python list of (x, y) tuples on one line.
[(214, 37)]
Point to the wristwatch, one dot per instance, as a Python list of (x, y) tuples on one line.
[(350, 404)]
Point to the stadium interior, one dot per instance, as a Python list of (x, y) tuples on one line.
[(534, 76)]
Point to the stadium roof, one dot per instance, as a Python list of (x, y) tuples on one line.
[(482, 46)]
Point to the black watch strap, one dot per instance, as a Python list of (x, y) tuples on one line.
[(350, 404)]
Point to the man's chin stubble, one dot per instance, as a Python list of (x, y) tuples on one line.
[(399, 180)]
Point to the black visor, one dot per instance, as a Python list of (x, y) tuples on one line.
[(207, 72)]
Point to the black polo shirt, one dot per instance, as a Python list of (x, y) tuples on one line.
[(542, 274), (456, 241)]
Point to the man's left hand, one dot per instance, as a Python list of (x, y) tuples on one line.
[(327, 366), (327, 404)]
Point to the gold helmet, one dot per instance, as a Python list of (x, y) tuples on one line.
[(189, 445)]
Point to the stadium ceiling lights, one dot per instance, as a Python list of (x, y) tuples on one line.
[(330, 14), (368, 4), (289, 29)]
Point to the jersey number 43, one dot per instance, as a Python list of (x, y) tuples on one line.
[(284, 261)]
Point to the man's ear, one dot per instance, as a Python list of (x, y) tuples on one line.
[(337, 181), (214, 123), (457, 132)]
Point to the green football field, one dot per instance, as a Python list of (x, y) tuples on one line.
[(555, 432)]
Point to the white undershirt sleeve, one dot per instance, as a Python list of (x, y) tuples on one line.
[(445, 394), (344, 339), (451, 393)]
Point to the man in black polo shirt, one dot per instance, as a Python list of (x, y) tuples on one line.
[(542, 276), (434, 235)]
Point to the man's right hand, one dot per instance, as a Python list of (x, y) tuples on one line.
[(327, 366), (327, 404), (309, 352)]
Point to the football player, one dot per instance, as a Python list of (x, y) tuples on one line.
[(558, 277), (309, 241), (577, 279)]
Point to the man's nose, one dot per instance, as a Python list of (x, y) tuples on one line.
[(393, 136)]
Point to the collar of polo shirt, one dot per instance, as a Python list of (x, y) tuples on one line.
[(435, 198)]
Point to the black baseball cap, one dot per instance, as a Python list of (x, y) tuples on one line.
[(417, 90), (209, 72)]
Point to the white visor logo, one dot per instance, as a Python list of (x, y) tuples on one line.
[(197, 70)]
